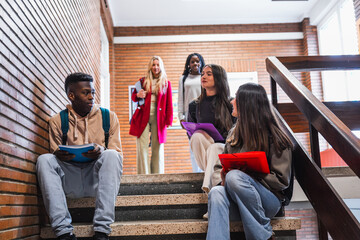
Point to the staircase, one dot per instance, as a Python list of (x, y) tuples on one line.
[(160, 206)]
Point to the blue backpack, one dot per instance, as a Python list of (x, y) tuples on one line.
[(64, 115)]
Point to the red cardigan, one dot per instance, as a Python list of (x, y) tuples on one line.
[(164, 113)]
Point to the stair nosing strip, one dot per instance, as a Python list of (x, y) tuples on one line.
[(169, 227), (144, 200), (161, 178)]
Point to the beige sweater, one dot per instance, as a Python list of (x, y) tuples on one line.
[(83, 130)]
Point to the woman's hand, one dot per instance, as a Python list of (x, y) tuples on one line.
[(243, 169), (141, 94), (222, 174), (181, 121)]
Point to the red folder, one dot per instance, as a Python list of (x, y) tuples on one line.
[(255, 161)]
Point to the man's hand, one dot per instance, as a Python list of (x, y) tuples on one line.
[(64, 156), (95, 153)]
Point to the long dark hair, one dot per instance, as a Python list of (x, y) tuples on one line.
[(256, 123), (222, 103), (187, 65)]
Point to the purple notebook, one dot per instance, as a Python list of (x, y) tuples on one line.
[(209, 128)]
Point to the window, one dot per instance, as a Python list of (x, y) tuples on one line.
[(337, 36), (235, 79)]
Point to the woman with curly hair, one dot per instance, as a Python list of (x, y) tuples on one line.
[(190, 89)]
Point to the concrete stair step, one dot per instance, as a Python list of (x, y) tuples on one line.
[(145, 207), (168, 229), (162, 178), (143, 184), (147, 200)]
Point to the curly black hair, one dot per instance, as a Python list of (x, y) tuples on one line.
[(77, 77), (187, 64)]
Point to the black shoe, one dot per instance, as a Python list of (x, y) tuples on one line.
[(67, 236), (100, 236)]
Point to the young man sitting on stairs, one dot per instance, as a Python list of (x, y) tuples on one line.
[(61, 174)]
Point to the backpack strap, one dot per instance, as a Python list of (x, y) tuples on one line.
[(64, 115), (106, 124)]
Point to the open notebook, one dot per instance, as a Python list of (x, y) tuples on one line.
[(255, 161), (78, 150)]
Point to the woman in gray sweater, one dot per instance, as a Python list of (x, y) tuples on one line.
[(252, 197)]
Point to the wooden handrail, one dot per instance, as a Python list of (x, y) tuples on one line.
[(320, 63), (332, 212), (345, 143), (340, 221)]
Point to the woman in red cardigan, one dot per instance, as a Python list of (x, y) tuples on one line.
[(153, 114)]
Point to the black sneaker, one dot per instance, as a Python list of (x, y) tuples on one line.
[(100, 236), (67, 236)]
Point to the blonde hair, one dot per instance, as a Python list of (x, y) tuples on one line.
[(161, 81)]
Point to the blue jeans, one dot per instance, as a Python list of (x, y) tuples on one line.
[(245, 199), (100, 179)]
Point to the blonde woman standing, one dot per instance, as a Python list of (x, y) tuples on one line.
[(153, 114)]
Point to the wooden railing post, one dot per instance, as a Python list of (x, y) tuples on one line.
[(314, 143), (315, 153), (274, 98)]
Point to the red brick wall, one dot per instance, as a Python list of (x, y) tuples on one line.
[(308, 218), (130, 62), (208, 29), (41, 42)]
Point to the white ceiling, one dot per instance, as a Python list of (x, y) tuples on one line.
[(200, 12)]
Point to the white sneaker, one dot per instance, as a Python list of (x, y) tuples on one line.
[(206, 216)]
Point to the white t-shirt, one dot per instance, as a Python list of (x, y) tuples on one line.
[(192, 88)]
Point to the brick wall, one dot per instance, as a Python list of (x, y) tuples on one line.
[(41, 42), (308, 218), (208, 29), (130, 61), (312, 80)]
